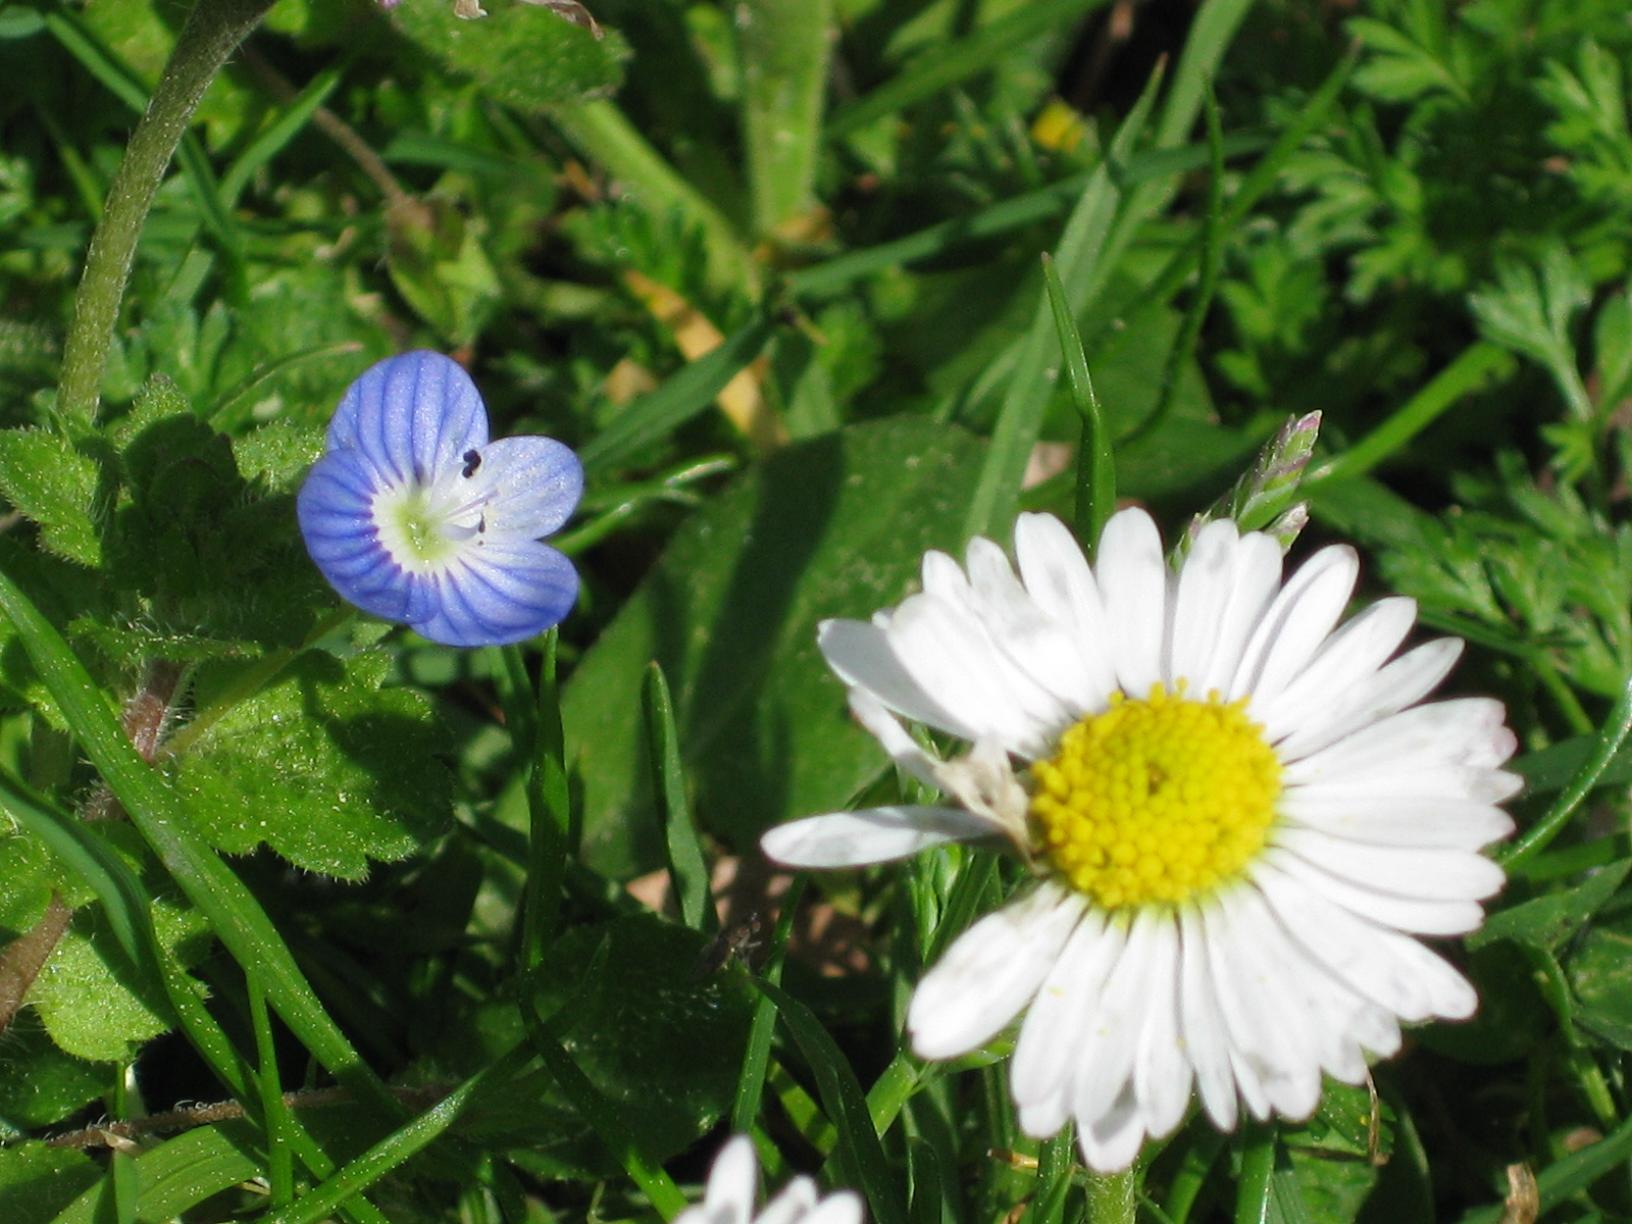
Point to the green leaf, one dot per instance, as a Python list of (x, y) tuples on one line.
[(323, 766), (37, 1182), (29, 874), (53, 484), (659, 1039), (1600, 973), (88, 996), (831, 527), (522, 56), (39, 1083), (1548, 921), (177, 1175)]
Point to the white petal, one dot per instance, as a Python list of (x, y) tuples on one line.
[(1467, 731), (1332, 1014), (843, 1207), (952, 659), (1050, 1043), (1057, 576), (861, 655), (990, 973), (871, 713), (1267, 1035), (1406, 821), (1392, 970), (1410, 871), (1200, 598), (792, 1206), (943, 577), (1383, 784), (1035, 642), (1133, 580), (1413, 914), (1111, 1139), (1161, 1071), (1350, 707), (1254, 582), (1296, 624), (1202, 1023), (1350, 656), (729, 1197), (873, 835), (1110, 1041)]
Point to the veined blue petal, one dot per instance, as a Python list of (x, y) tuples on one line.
[(414, 416), (536, 485), (500, 591), (333, 509)]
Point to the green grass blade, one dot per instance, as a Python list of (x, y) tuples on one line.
[(756, 1059), (968, 56), (682, 397), (271, 142), (396, 1148), (280, 1167), (1055, 1161), (1212, 260), (893, 1088), (1079, 259), (1617, 726), (783, 46), (602, 1116), (1001, 218), (688, 870), (1255, 1185), (1211, 33), (227, 421), (236, 917), (860, 1155), (549, 843), (1096, 460)]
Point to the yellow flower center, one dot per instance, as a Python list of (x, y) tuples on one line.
[(1156, 800)]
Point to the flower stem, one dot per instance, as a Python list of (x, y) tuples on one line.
[(1113, 1198), (213, 29)]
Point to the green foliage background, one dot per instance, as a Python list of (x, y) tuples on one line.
[(1411, 216)]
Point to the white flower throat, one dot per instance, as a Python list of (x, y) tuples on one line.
[(424, 526)]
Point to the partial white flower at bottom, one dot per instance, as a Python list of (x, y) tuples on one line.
[(729, 1198), (1238, 813)]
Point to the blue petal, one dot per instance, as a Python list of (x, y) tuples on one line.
[(501, 592), (539, 482), (414, 416), (333, 509)]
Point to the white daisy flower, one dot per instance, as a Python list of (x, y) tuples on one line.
[(1239, 815), (729, 1198)]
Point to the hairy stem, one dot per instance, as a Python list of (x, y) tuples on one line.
[(22, 959), (185, 1117), (213, 29)]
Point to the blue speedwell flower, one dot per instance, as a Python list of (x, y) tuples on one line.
[(413, 515)]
